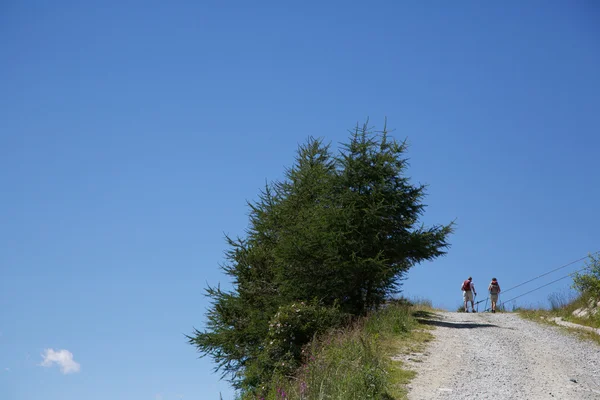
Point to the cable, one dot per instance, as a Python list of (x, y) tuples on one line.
[(554, 270), (547, 273), (550, 283)]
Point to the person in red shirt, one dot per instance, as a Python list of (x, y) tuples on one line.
[(468, 288)]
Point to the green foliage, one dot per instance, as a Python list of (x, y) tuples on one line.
[(589, 283), (391, 320), (341, 365), (238, 322), (337, 234), (289, 330), (295, 325), (350, 363)]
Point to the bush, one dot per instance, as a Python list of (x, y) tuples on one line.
[(589, 283), (290, 329), (295, 325), (345, 364)]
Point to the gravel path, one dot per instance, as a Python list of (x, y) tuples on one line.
[(501, 356)]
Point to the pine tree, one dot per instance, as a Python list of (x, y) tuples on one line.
[(334, 238), (382, 239)]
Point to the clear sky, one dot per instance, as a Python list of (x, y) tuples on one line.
[(133, 132)]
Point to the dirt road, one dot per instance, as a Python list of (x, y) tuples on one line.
[(501, 356)]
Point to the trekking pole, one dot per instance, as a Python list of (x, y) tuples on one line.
[(486, 300)]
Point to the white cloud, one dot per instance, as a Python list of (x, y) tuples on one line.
[(158, 396), (62, 358)]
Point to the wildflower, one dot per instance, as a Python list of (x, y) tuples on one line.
[(302, 387)]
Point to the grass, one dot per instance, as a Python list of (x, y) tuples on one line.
[(356, 362)]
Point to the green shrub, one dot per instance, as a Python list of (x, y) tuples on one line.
[(589, 283), (291, 328)]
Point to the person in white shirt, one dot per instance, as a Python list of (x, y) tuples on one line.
[(468, 288)]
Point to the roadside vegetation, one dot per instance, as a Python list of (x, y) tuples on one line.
[(587, 285), (355, 362)]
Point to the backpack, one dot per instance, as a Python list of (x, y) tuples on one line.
[(495, 289), (466, 286)]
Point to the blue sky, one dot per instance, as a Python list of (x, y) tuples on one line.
[(132, 133)]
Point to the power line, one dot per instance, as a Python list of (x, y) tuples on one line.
[(549, 272), (544, 274), (549, 283)]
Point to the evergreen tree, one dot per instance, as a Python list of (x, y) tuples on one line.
[(334, 238), (382, 239)]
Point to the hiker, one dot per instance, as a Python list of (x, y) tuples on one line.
[(494, 289), (468, 289)]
